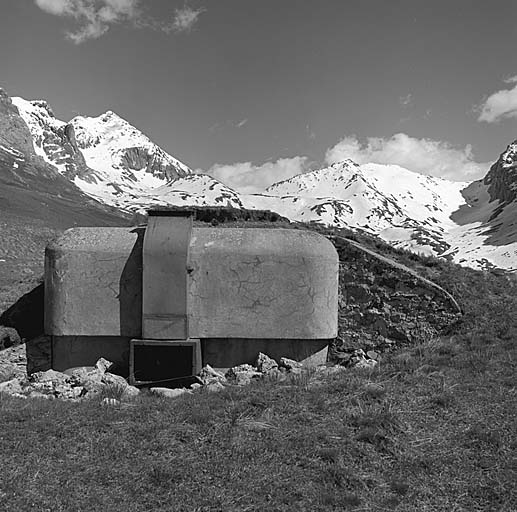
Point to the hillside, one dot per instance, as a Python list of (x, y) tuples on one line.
[(431, 427)]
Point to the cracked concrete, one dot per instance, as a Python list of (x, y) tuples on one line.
[(255, 284)]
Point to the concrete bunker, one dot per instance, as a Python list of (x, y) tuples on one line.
[(162, 301)]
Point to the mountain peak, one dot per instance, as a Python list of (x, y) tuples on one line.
[(347, 162), (502, 176)]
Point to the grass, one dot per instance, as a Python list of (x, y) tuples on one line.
[(431, 428)]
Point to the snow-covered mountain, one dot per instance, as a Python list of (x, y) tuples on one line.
[(113, 162)]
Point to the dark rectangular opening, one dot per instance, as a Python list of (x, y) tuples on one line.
[(158, 361), (152, 363)]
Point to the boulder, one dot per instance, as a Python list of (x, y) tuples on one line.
[(49, 376), (169, 393), (265, 363), (208, 375), (215, 386), (290, 364), (11, 387), (9, 337), (242, 374)]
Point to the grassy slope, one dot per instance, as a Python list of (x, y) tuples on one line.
[(28, 220), (431, 429)]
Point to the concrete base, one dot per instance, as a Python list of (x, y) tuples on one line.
[(73, 351), (225, 353)]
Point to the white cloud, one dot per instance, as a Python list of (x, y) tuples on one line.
[(185, 18), (501, 104), (241, 123), (424, 156), (406, 100), (94, 17), (248, 178), (57, 7)]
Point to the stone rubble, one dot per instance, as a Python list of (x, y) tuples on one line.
[(87, 382), (73, 384), (242, 374), (265, 364)]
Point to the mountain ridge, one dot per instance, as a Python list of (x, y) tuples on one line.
[(115, 164)]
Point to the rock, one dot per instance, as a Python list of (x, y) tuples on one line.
[(208, 375), (242, 374), (368, 364), (359, 293), (13, 363), (130, 392), (195, 386), (70, 392), (265, 363), (169, 393), (114, 380), (290, 364), (86, 376), (9, 337), (11, 387), (372, 354), (49, 376), (342, 357), (103, 365), (215, 386)]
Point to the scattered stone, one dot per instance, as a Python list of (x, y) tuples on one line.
[(242, 374), (265, 363), (49, 376), (290, 364), (342, 357), (103, 365), (11, 387), (372, 354), (367, 364), (9, 337), (73, 384), (208, 375), (215, 386), (13, 362), (114, 380), (169, 393)]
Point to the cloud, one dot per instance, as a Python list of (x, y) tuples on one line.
[(240, 124), (95, 17), (248, 178), (184, 19), (406, 100), (501, 104), (424, 156)]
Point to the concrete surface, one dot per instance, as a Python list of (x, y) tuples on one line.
[(242, 283)]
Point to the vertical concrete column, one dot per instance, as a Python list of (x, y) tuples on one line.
[(164, 291)]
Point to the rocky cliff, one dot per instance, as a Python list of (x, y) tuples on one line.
[(502, 176)]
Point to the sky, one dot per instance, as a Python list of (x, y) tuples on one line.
[(254, 92)]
